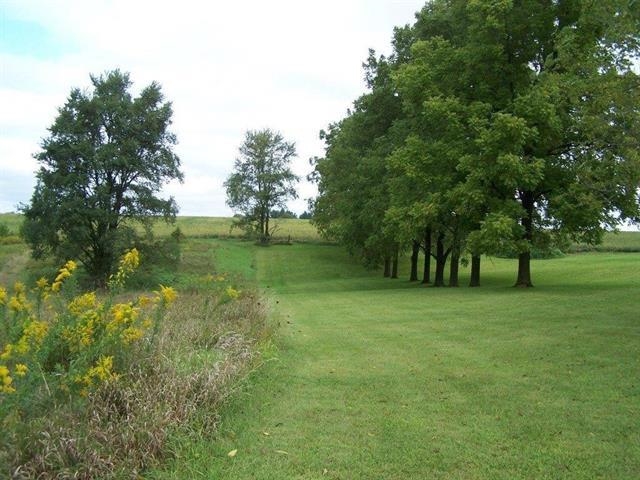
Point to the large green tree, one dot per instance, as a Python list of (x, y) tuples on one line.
[(262, 180), (106, 158)]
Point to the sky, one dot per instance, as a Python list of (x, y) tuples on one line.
[(226, 67)]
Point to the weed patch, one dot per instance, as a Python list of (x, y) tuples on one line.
[(94, 385)]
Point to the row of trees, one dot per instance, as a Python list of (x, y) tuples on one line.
[(494, 126)]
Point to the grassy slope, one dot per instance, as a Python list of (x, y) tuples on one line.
[(382, 379)]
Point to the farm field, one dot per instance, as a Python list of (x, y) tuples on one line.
[(378, 378)]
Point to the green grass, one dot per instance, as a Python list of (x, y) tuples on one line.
[(12, 220), (379, 378), (616, 242)]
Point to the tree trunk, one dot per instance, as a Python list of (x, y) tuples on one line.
[(441, 261), (387, 267), (413, 277), (394, 267), (454, 267), (524, 270), (524, 258), (475, 271), (426, 278)]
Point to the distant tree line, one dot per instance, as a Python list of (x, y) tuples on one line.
[(492, 127)]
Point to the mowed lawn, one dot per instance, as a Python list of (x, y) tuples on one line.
[(383, 379)]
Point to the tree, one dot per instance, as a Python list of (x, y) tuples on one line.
[(262, 180), (103, 164)]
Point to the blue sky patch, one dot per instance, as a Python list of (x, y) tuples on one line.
[(24, 38)]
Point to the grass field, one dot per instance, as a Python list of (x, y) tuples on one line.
[(380, 378)]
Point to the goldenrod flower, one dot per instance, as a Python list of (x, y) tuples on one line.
[(32, 336), (6, 353), (166, 294), (131, 260), (17, 304), (6, 380), (71, 265), (64, 273), (143, 301), (3, 296), (21, 369), (232, 293), (83, 303), (103, 372), (131, 334), (128, 263)]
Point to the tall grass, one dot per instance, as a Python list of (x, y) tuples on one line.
[(285, 229)]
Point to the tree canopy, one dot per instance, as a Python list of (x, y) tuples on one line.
[(104, 162), (262, 180), (517, 128)]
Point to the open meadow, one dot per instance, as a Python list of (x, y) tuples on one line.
[(379, 378)]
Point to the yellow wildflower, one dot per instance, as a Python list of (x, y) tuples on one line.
[(143, 301), (131, 260), (83, 303), (17, 304), (3, 296), (122, 314), (6, 380), (6, 353), (19, 288), (128, 263), (42, 283), (232, 293), (32, 336), (166, 294), (102, 372), (64, 273), (131, 334), (21, 369)]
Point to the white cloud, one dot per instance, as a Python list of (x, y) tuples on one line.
[(227, 67)]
